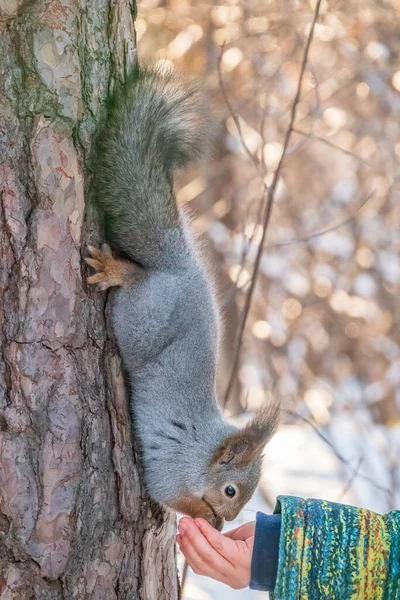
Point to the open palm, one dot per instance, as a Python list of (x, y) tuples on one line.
[(224, 557)]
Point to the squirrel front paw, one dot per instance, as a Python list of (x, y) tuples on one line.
[(216, 522), (110, 271), (197, 508)]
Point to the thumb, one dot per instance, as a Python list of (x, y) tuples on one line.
[(243, 532), (250, 543)]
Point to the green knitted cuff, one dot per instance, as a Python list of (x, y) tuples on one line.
[(336, 552), (288, 581)]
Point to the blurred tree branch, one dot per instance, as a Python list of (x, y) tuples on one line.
[(311, 136), (324, 231), (354, 470), (352, 478), (269, 204)]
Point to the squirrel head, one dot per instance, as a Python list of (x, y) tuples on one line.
[(235, 467)]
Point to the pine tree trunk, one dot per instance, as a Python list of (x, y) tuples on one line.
[(74, 520)]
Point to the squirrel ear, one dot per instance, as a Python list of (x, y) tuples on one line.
[(241, 447), (264, 425), (237, 448)]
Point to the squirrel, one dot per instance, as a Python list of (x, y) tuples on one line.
[(163, 311)]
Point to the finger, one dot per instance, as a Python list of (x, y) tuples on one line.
[(195, 561), (222, 544), (243, 532), (201, 568), (185, 521), (250, 543), (237, 577), (204, 550)]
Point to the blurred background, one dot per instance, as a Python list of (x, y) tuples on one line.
[(322, 332)]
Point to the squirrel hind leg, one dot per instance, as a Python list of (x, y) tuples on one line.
[(110, 271)]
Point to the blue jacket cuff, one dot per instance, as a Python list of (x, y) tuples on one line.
[(264, 564)]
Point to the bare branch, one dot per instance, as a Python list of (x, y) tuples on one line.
[(317, 138), (352, 478), (234, 116), (315, 111), (337, 453), (327, 230), (184, 577), (269, 204)]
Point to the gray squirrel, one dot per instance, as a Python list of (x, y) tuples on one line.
[(164, 313)]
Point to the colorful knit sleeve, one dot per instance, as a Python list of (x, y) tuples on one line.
[(330, 551)]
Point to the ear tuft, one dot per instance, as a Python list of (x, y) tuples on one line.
[(264, 424)]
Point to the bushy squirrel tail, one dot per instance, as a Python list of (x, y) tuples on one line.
[(157, 122)]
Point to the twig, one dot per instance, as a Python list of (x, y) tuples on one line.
[(327, 230), (316, 110), (234, 116), (184, 577), (336, 452), (269, 204), (352, 477), (317, 138)]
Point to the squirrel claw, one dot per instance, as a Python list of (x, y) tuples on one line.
[(92, 262), (95, 252), (110, 271)]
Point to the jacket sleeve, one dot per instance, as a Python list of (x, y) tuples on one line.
[(264, 564), (330, 551)]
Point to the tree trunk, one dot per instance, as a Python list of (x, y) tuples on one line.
[(74, 519)]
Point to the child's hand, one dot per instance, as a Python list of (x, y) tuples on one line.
[(226, 558)]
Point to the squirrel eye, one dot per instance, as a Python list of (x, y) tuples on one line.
[(230, 491)]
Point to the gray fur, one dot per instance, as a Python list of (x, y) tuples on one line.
[(166, 319)]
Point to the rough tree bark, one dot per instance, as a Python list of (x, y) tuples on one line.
[(74, 520)]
